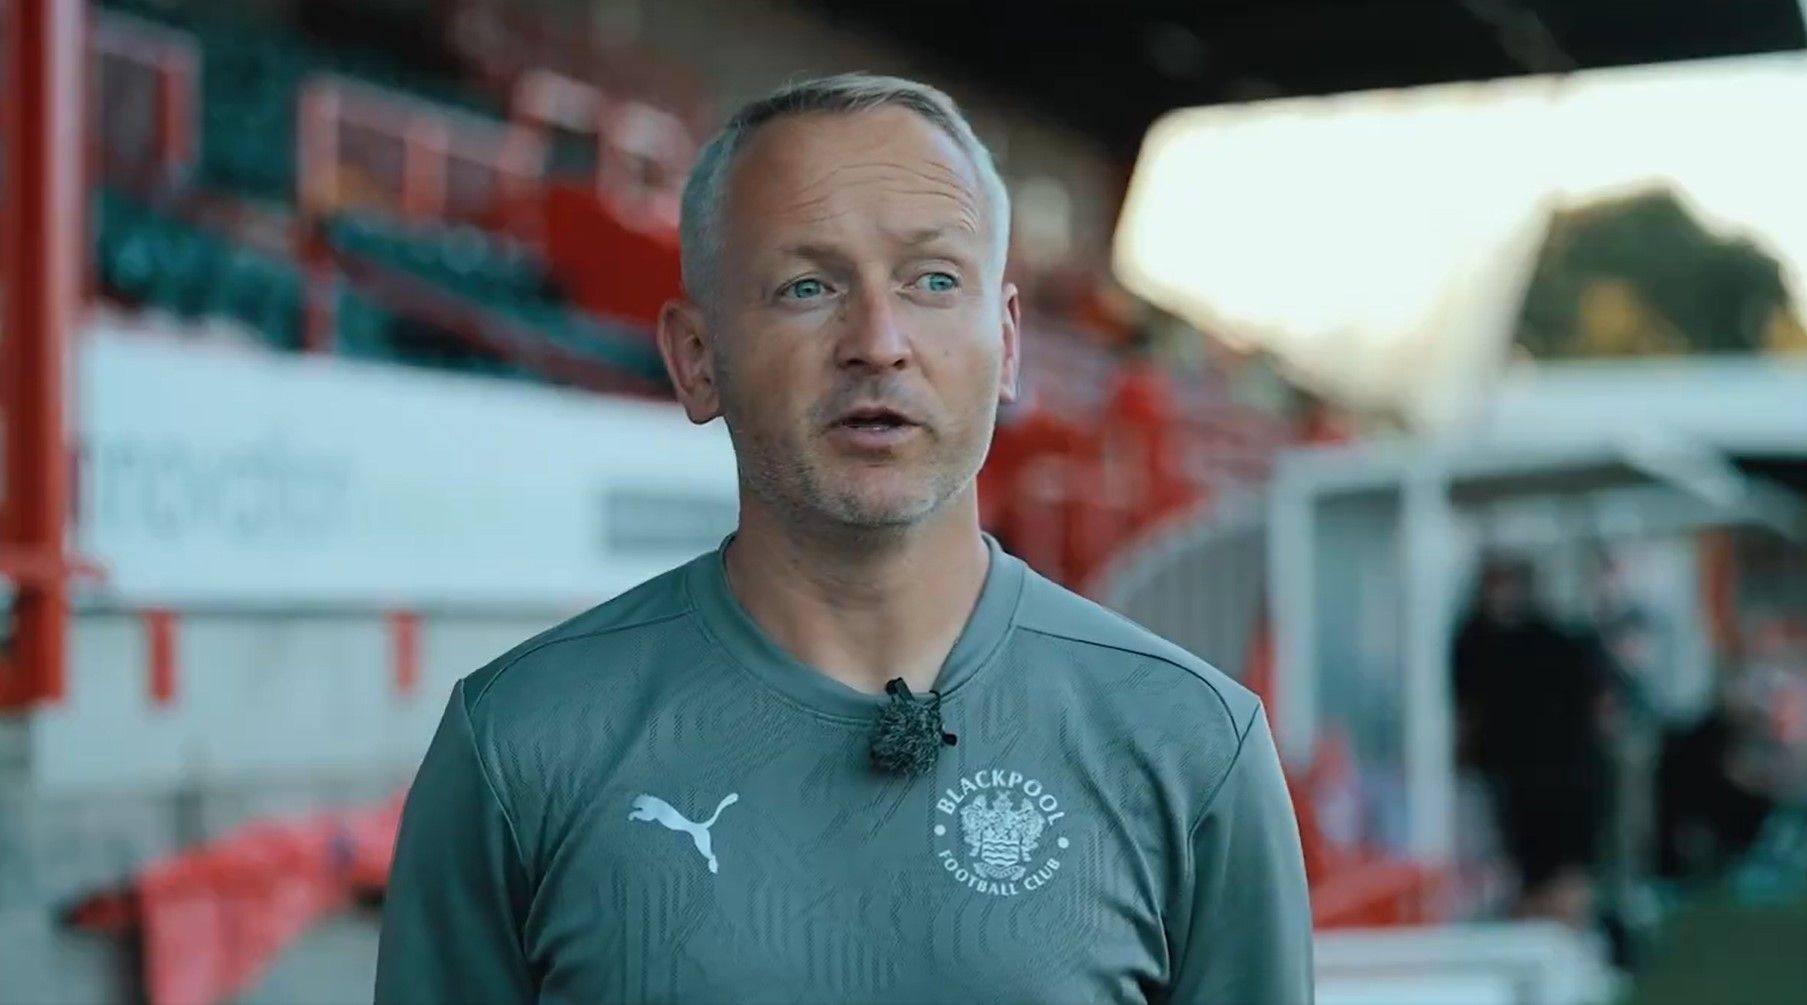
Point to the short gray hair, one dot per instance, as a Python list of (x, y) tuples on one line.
[(705, 193)]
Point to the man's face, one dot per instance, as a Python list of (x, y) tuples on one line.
[(862, 337), (1506, 594)]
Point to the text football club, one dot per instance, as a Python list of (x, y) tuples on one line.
[(994, 833)]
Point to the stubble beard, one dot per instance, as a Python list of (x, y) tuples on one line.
[(811, 490), (795, 480)]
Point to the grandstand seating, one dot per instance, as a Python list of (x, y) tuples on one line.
[(252, 73), (481, 302), (157, 259), (490, 266), (494, 270), (497, 277)]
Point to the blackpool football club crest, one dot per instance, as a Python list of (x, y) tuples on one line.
[(996, 832)]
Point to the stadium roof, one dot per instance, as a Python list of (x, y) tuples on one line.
[(1110, 69)]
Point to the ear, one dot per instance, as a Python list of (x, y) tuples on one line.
[(689, 359), (1012, 328)]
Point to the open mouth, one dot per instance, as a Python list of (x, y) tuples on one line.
[(874, 419)]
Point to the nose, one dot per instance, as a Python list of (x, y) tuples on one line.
[(872, 336)]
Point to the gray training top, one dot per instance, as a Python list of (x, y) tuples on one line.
[(653, 802)]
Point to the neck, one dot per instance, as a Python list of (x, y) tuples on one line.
[(862, 606)]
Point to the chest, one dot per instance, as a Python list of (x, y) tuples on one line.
[(803, 876)]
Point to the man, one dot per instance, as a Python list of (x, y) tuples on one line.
[(1529, 701), (678, 796), (1630, 635)]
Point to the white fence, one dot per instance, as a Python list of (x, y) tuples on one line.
[(1519, 963)]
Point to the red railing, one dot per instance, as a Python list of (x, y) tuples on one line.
[(643, 153), (365, 147), (1094, 462), (146, 80)]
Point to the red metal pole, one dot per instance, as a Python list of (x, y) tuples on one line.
[(160, 642), (41, 234), (316, 166), (425, 147), (404, 634), (177, 113)]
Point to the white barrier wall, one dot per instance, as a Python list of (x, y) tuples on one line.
[(256, 698), (213, 476), (281, 506), (1508, 963)]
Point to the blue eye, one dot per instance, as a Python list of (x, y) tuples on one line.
[(937, 282), (804, 289)]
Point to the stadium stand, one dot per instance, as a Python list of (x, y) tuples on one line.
[(426, 227), (455, 213), (154, 259)]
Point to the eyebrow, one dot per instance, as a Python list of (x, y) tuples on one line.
[(823, 252), (813, 252), (928, 235)]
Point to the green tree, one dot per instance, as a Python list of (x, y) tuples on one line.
[(1642, 275)]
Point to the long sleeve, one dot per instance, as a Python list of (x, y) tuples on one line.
[(1245, 920), (457, 891)]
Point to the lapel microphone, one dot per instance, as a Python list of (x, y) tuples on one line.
[(907, 734)]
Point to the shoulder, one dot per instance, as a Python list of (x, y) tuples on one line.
[(1103, 638), (547, 716), (608, 639)]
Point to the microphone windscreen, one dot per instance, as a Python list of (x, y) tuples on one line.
[(907, 734)]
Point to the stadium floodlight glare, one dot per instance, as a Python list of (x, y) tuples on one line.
[(1379, 243)]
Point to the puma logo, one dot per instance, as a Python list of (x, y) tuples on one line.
[(654, 808)]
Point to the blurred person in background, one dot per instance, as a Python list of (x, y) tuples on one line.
[(723, 786), (1721, 778), (1530, 701), (1632, 636), (1710, 802)]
